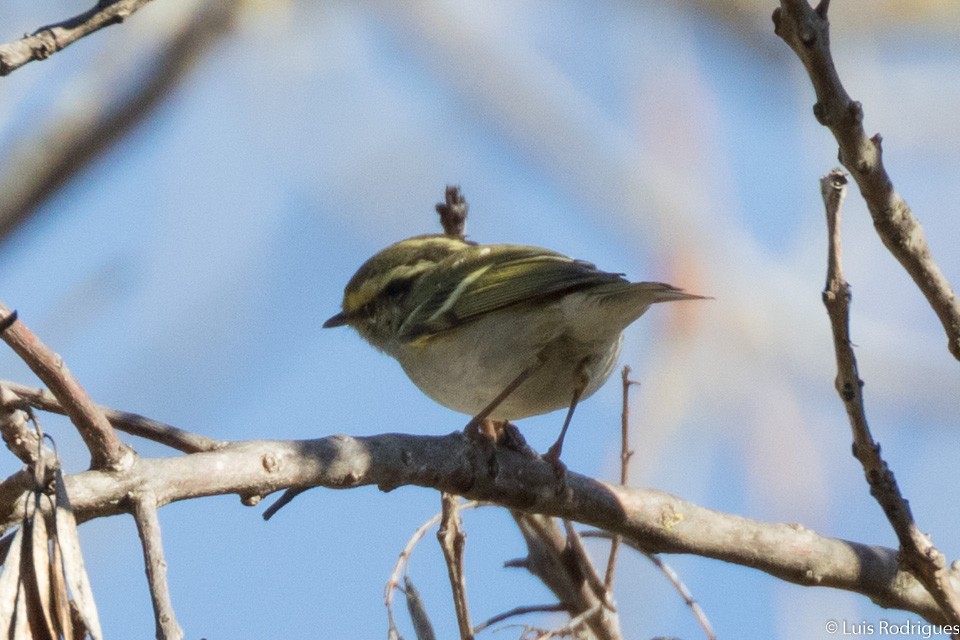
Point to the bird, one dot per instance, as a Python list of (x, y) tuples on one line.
[(499, 332)]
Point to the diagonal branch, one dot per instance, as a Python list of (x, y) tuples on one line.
[(46, 41), (807, 32), (47, 161), (919, 554), (674, 579), (19, 396), (561, 563), (106, 449)]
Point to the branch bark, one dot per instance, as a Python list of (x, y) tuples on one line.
[(106, 449), (46, 41), (452, 541), (19, 396), (65, 147), (655, 521), (148, 526), (561, 564), (919, 554), (807, 31)]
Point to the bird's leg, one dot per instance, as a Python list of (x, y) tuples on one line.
[(481, 417), (553, 453)]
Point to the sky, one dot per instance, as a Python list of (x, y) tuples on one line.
[(185, 276)]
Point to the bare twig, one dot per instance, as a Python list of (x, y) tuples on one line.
[(688, 598), (807, 31), (400, 567), (672, 576), (453, 212), (19, 396), (22, 440), (452, 540), (66, 146), (562, 565), (625, 454), (106, 449), (148, 526), (572, 625), (576, 551), (285, 498), (919, 554), (418, 611), (519, 611), (46, 41)]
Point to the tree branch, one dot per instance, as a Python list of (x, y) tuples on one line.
[(673, 577), (562, 565), (625, 454), (46, 41), (19, 396), (919, 554), (656, 521), (807, 32), (106, 449), (148, 526), (452, 541), (49, 160)]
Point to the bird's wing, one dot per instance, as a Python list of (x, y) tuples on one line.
[(486, 278)]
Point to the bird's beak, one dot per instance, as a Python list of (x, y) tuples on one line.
[(336, 321)]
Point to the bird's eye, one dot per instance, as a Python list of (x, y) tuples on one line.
[(398, 287)]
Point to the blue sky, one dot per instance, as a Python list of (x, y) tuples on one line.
[(186, 274)]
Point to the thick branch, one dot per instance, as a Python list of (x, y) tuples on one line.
[(919, 554), (46, 41), (106, 449), (656, 521), (807, 31)]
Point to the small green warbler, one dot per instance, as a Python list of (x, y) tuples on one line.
[(497, 332)]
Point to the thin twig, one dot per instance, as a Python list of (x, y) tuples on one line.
[(576, 549), (20, 396), (47, 40), (394, 581), (64, 147), (418, 611), (453, 212), (452, 540), (106, 449), (671, 575), (625, 454), (562, 564), (148, 526), (807, 31), (919, 554), (519, 611), (571, 627), (285, 498), (400, 567)]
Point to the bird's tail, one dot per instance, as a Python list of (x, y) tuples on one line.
[(662, 292)]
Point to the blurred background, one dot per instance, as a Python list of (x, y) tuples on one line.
[(185, 195)]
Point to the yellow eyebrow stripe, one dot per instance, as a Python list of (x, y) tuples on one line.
[(371, 288)]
